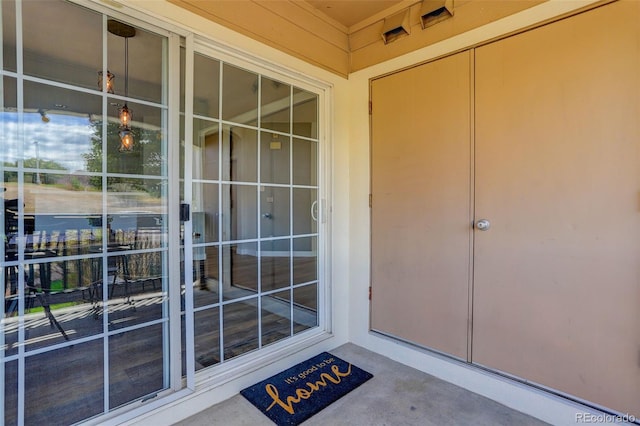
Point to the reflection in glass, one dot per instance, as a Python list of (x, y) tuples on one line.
[(274, 158), (10, 402), (206, 86), (204, 217), (275, 264), (135, 288), (205, 150), (239, 95), (10, 317), (8, 14), (65, 384), (275, 105), (305, 260), (305, 307), (132, 377), (305, 162), (52, 222), (181, 156), (54, 52), (145, 71), (62, 301), (240, 331), (239, 212), (305, 113), (148, 155), (61, 197), (276, 316), (183, 341), (91, 230), (274, 211), (305, 211), (239, 154), (63, 129), (206, 276), (137, 213), (240, 270), (8, 124), (207, 337)]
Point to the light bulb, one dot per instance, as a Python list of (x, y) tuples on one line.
[(126, 139), (110, 78), (125, 116), (43, 115)]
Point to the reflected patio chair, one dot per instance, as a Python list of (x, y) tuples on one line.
[(118, 273)]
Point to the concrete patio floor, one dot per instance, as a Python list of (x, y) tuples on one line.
[(397, 395)]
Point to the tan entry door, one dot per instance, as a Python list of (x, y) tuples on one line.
[(421, 233), (557, 274)]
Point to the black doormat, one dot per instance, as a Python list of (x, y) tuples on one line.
[(294, 395)]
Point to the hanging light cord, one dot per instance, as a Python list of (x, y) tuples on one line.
[(126, 68)]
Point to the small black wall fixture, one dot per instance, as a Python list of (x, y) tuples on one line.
[(434, 11)]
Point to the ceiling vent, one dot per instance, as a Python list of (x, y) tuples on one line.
[(434, 11), (396, 26)]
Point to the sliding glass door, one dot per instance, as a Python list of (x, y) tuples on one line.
[(84, 258), (253, 188), (102, 136)]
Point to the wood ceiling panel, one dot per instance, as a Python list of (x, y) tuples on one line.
[(344, 36), (349, 13), (305, 37)]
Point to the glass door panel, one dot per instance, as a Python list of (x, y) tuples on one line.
[(206, 86), (206, 276), (207, 338), (239, 95), (59, 379), (84, 265), (51, 51), (240, 270), (253, 188), (276, 316), (305, 307), (8, 35), (275, 264), (274, 158), (275, 102)]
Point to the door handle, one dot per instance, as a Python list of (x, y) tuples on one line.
[(483, 225)]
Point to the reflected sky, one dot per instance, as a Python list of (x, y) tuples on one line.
[(63, 140)]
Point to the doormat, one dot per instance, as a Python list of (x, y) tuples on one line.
[(294, 395)]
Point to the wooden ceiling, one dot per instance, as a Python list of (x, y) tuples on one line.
[(351, 12), (343, 36)]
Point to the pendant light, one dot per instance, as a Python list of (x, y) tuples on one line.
[(110, 78), (124, 113)]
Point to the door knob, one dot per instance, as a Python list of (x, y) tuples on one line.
[(483, 225)]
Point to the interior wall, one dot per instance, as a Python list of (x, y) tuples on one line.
[(539, 404)]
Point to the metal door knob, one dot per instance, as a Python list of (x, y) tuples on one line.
[(483, 225)]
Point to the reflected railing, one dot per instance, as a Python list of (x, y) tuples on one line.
[(64, 279)]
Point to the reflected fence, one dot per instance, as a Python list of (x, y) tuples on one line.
[(64, 257)]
